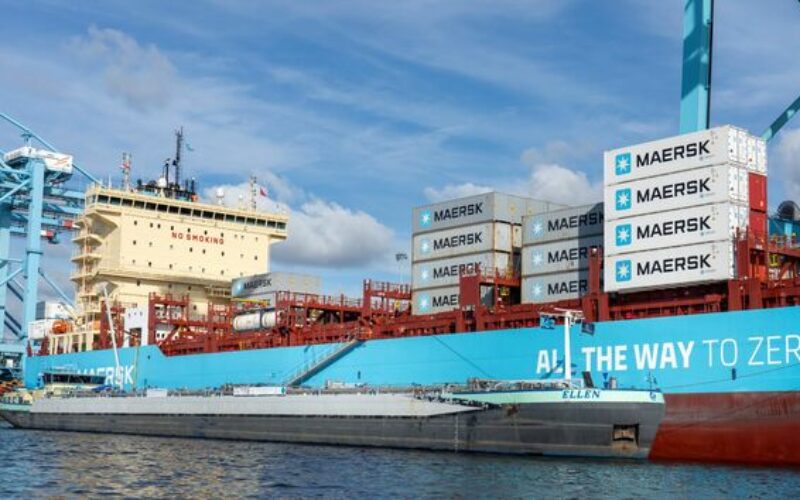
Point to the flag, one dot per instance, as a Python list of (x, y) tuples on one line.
[(262, 191), (400, 256), (189, 147)]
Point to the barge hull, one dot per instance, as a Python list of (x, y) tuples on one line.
[(575, 429)]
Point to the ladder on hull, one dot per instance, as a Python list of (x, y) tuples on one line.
[(314, 366)]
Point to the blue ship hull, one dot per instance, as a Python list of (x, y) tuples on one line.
[(747, 351)]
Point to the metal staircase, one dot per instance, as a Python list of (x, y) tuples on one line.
[(322, 360)]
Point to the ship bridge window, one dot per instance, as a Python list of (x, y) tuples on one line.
[(208, 215), (186, 211), (230, 218), (173, 210), (103, 198), (281, 225), (114, 201), (127, 203), (161, 208), (219, 216), (261, 222), (138, 204), (240, 220), (271, 223), (151, 206)]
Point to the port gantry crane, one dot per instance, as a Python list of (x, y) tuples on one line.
[(35, 205), (695, 110)]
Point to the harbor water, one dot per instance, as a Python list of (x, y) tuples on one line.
[(39, 464)]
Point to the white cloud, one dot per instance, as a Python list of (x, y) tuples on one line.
[(452, 191), (140, 75), (563, 185), (325, 234), (321, 233), (546, 180)]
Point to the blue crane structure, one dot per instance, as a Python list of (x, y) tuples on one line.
[(698, 35), (35, 205)]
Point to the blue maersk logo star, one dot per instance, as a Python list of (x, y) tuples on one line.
[(537, 259), (624, 236), (623, 270), (623, 164), (537, 289), (425, 218), (425, 275), (622, 199), (425, 246), (423, 302), (537, 228)]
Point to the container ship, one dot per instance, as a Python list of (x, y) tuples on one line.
[(681, 281)]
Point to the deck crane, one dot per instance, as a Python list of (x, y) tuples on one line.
[(35, 204), (695, 110)]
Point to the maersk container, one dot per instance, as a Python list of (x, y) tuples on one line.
[(753, 152), (478, 238), (725, 144), (716, 184), (446, 272), (472, 210), (688, 226), (558, 256), (265, 285), (563, 224), (46, 309), (554, 287), (669, 267), (443, 299), (757, 189)]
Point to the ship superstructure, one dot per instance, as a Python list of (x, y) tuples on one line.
[(159, 239)]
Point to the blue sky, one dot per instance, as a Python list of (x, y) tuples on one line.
[(354, 112)]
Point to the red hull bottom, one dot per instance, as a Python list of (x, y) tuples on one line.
[(749, 427)]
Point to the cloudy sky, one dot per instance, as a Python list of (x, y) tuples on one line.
[(353, 112)]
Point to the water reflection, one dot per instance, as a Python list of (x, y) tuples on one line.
[(72, 464)]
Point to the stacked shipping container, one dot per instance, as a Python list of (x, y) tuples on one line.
[(674, 206), (456, 236), (556, 250)]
